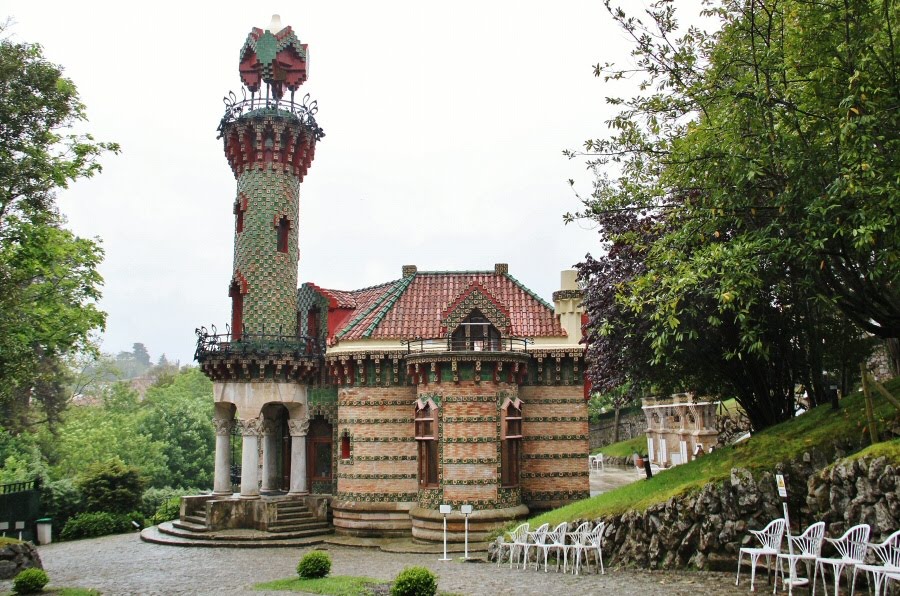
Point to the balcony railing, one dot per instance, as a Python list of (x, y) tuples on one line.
[(211, 343), (447, 344), (304, 110)]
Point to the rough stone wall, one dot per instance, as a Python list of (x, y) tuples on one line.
[(707, 529), (630, 426), (554, 445), (16, 557)]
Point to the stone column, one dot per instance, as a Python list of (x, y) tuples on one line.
[(250, 431), (299, 427), (222, 481), (269, 459)]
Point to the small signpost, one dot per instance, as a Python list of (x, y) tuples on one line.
[(794, 581), (445, 511), (466, 510)]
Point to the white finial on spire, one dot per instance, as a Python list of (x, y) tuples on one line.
[(275, 25)]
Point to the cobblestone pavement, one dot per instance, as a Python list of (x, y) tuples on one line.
[(124, 565)]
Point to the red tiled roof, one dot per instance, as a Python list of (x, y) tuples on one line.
[(414, 306)]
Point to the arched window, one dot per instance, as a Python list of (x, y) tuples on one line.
[(284, 231), (511, 443), (426, 438), (237, 310), (476, 333)]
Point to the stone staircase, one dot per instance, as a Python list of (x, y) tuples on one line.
[(293, 525)]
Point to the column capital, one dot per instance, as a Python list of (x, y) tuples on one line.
[(267, 427), (223, 425), (251, 427), (299, 427)]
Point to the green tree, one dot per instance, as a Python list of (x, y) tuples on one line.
[(767, 151), (178, 417), (49, 283)]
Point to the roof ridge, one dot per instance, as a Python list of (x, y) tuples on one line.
[(375, 304), (528, 290), (464, 272), (394, 295)]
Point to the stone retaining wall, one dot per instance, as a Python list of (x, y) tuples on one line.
[(706, 530), (16, 557)]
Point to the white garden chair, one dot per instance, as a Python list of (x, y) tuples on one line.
[(851, 549), (516, 542), (536, 539), (770, 538), (888, 553), (596, 546), (806, 547), (596, 462), (555, 540), (580, 540)]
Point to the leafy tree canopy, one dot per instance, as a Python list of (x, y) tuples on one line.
[(762, 160)]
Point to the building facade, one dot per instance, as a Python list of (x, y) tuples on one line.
[(452, 387)]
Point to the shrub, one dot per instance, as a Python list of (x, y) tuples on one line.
[(415, 581), (96, 523), (155, 498), (112, 486), (30, 581), (167, 511), (60, 500), (314, 564)]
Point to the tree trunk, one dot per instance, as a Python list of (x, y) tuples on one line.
[(616, 425)]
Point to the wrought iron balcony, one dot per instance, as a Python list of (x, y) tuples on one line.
[(211, 344), (448, 344), (304, 111)]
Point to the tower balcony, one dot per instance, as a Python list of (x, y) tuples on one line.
[(258, 356)]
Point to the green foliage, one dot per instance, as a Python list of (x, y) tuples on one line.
[(178, 418), (111, 487), (156, 497), (335, 585), (20, 458), (415, 581), (819, 429), (49, 283), (760, 160), (314, 565), (167, 511), (30, 581), (60, 500), (96, 523)]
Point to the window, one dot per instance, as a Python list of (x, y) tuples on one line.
[(312, 322), (511, 443), (428, 448), (237, 310), (284, 230), (318, 444), (476, 333), (238, 217), (345, 446)]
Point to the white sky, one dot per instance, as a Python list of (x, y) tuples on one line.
[(444, 128)]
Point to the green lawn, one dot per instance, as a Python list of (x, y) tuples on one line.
[(820, 428), (337, 585), (624, 448)]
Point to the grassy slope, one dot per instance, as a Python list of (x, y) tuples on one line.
[(819, 428), (624, 448)]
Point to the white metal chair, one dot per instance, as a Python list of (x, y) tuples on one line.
[(851, 549), (770, 538), (580, 540), (516, 542), (536, 538), (555, 540), (597, 463), (596, 545), (806, 547), (888, 552)]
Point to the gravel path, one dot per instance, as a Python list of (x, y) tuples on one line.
[(124, 565)]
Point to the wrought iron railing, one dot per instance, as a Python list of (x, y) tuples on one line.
[(448, 344), (305, 111), (210, 343), (18, 487)]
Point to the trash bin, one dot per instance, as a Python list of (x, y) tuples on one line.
[(44, 530)]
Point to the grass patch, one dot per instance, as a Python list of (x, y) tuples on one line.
[(338, 585), (624, 448), (820, 428), (4, 540)]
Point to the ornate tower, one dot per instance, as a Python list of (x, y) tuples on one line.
[(262, 365)]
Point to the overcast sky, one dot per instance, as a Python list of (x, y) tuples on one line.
[(444, 124)]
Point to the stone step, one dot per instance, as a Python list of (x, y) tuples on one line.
[(317, 526), (153, 535), (295, 517), (199, 520), (192, 527), (236, 535)]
